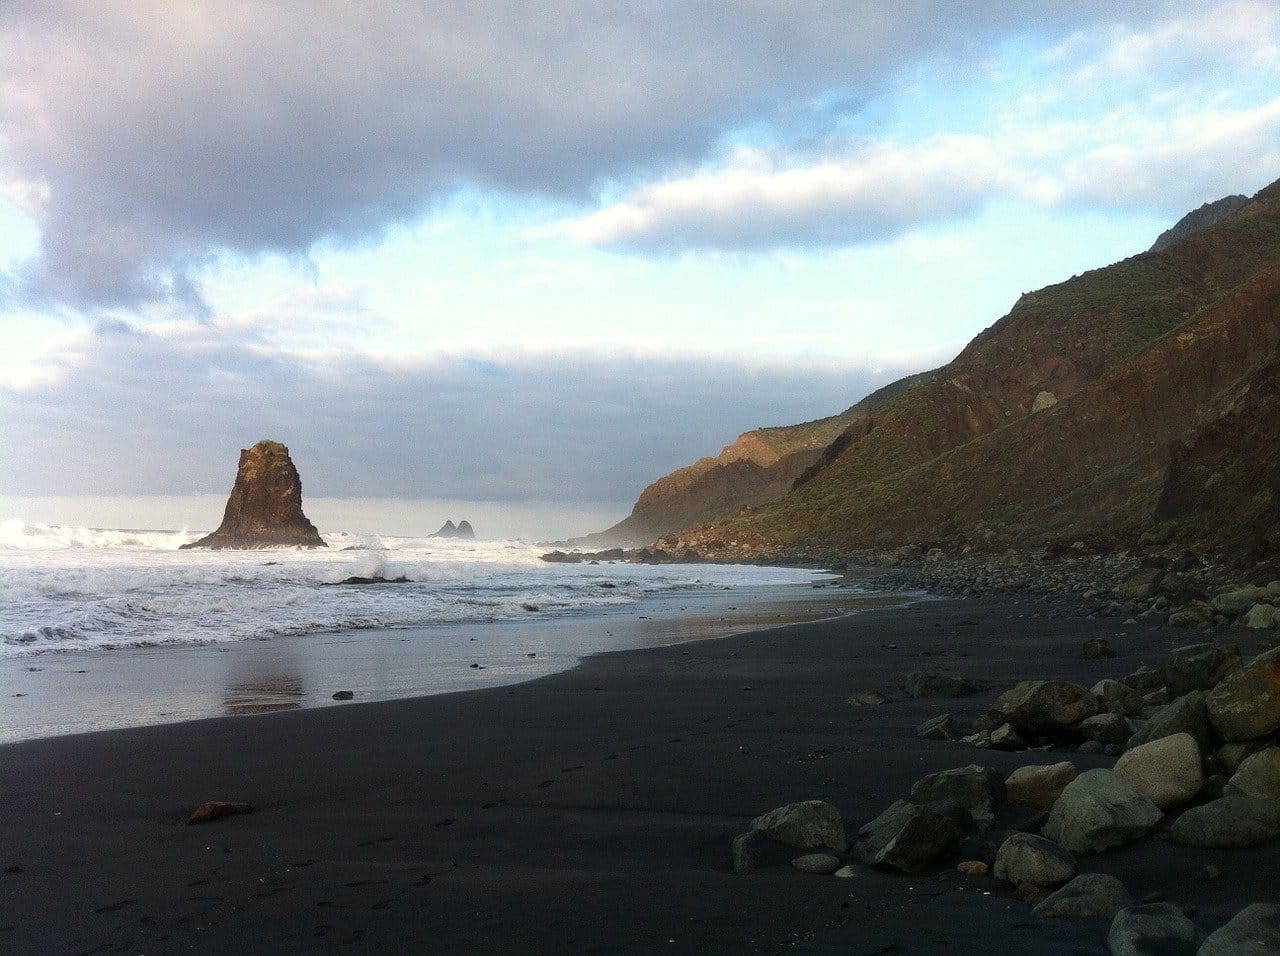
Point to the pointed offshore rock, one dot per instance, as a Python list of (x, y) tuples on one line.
[(462, 530), (265, 507)]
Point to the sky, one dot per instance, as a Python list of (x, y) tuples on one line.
[(535, 255)]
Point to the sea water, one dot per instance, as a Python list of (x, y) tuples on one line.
[(103, 629), (78, 589)]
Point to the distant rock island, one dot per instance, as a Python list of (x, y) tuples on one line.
[(462, 529), (265, 507)]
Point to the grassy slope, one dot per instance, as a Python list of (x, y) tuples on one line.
[(962, 457)]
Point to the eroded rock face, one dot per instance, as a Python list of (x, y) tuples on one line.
[(265, 507)]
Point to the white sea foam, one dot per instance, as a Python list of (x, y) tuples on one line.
[(84, 588)]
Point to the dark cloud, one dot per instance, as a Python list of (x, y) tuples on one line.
[(167, 130), (136, 412)]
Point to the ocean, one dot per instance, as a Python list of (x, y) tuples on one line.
[(105, 628), (81, 589)]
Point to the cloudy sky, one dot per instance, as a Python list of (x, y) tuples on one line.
[(543, 252)]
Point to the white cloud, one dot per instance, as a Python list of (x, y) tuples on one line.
[(873, 194)]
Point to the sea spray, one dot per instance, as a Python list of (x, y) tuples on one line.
[(85, 589)]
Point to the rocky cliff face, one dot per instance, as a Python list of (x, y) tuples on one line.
[(758, 467), (1210, 214), (265, 507), (1105, 408)]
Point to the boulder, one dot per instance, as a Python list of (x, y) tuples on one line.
[(927, 685), (264, 509), (215, 810), (943, 727), (1045, 706), (1246, 704), (1231, 756), (1139, 587), (752, 850), (823, 864), (1254, 931), (1233, 820), (975, 790), (1106, 729), (972, 868), (867, 698), (1098, 648), (1099, 810), (1167, 771), (1260, 617), (1027, 858), (1193, 615), (1039, 786), (1186, 715), (1259, 775), (1088, 896), (1237, 602), (1144, 679), (1152, 929), (1199, 667), (909, 837), (1005, 737), (1117, 698), (807, 825)]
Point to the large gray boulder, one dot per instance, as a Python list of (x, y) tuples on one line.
[(1254, 931), (1097, 811), (1246, 704), (1039, 786), (927, 685), (1186, 715), (1106, 729), (1152, 929), (1237, 602), (808, 825), (1088, 896), (1052, 707), (975, 790), (1117, 698), (1027, 858), (910, 837), (1167, 771), (1259, 775), (1261, 617), (1199, 667), (1233, 820)]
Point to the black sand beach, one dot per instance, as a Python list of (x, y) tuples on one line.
[(589, 811)]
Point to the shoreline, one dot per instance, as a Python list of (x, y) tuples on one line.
[(54, 693), (588, 811)]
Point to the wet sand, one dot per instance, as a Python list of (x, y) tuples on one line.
[(589, 811)]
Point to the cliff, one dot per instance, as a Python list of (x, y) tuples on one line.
[(758, 467), (1104, 409), (265, 507)]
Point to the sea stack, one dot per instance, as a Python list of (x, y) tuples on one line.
[(265, 507), (462, 529)]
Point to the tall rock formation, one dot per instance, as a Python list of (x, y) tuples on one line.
[(265, 507), (462, 530)]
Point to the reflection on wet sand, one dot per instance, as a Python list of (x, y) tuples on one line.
[(263, 685), (755, 617)]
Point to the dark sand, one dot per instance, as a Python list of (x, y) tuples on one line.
[(587, 812)]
